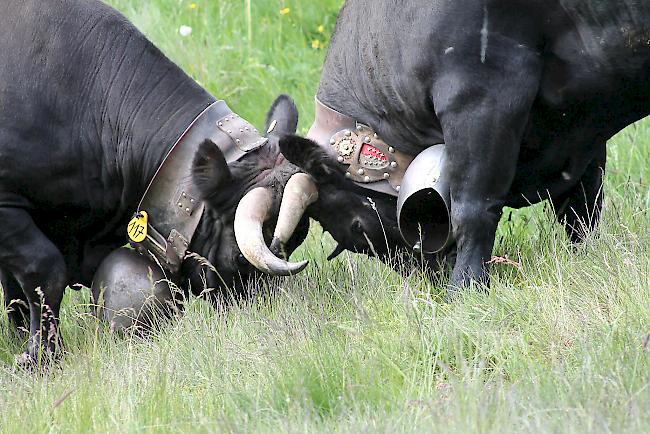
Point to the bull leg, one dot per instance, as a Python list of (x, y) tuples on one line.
[(39, 268), (404, 262), (483, 110), (580, 209), (15, 301)]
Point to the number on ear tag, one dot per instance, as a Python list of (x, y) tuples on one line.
[(137, 228)]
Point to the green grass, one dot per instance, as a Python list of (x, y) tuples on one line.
[(560, 344)]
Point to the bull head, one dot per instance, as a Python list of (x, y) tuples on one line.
[(359, 220), (249, 203), (371, 222)]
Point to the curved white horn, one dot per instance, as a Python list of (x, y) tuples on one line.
[(299, 193), (253, 210)]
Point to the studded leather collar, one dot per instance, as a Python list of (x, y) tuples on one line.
[(171, 201), (366, 159)]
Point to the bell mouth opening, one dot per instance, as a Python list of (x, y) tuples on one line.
[(424, 221)]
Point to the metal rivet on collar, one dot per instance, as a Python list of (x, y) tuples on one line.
[(348, 174), (366, 139), (391, 149), (341, 159), (348, 133), (398, 188), (332, 141), (367, 179), (359, 128), (361, 171), (393, 164), (180, 205), (386, 175), (220, 123)]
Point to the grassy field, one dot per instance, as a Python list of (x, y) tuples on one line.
[(560, 345)]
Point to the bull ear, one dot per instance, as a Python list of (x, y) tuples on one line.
[(209, 170), (282, 117), (310, 157)]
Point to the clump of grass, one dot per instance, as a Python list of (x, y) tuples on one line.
[(561, 344)]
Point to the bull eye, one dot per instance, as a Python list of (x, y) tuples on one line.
[(357, 227), (241, 260)]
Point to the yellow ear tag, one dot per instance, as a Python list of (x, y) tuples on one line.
[(137, 228)]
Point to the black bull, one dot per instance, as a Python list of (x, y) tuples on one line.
[(524, 93), (88, 111)]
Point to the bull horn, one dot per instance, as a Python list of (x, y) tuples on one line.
[(253, 210), (299, 193)]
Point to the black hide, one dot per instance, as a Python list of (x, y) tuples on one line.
[(88, 110), (525, 94)]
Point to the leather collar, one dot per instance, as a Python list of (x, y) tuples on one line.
[(368, 161), (171, 202)]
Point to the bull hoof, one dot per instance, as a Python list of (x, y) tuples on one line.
[(452, 294), (40, 358), (455, 292), (24, 360), (32, 363), (27, 362)]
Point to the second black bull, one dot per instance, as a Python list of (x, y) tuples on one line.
[(89, 110), (523, 93)]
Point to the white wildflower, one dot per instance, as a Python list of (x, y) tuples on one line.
[(185, 31)]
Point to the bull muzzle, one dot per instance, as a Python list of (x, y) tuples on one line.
[(423, 202)]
